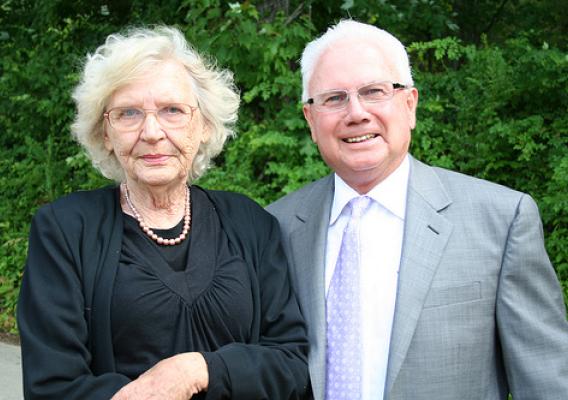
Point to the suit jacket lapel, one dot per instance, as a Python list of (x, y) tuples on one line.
[(425, 237), (308, 242)]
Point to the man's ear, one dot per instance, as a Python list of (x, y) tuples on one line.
[(411, 104), (310, 120)]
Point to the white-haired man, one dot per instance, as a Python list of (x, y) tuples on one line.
[(416, 282)]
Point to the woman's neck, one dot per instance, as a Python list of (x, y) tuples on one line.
[(161, 207)]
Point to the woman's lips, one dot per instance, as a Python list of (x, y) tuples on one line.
[(155, 158)]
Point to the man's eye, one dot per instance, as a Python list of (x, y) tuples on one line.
[(373, 92), (334, 98)]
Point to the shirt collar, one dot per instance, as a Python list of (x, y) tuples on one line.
[(390, 193)]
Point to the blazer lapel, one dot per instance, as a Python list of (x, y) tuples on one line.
[(426, 234), (308, 242)]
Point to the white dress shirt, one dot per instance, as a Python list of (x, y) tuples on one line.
[(382, 229)]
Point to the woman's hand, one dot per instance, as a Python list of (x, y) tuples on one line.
[(175, 378)]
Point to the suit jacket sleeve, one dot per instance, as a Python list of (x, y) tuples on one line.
[(531, 315), (274, 364), (51, 318)]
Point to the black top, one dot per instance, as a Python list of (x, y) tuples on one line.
[(251, 331), (167, 301)]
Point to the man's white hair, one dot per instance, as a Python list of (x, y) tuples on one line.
[(355, 31), (124, 58)]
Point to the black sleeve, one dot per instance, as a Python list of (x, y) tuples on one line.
[(51, 319), (276, 367)]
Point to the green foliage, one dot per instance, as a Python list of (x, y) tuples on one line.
[(492, 81), (274, 154), (38, 70)]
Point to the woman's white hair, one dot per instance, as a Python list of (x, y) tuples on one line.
[(356, 31), (124, 58)]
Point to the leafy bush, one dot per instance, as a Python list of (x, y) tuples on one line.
[(490, 107)]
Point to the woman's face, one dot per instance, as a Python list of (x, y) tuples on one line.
[(153, 154)]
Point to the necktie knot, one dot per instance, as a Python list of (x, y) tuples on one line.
[(359, 205)]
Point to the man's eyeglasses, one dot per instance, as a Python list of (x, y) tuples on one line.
[(336, 100), (172, 116)]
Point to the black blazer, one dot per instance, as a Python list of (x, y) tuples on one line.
[(64, 305)]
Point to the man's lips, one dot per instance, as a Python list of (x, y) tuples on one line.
[(362, 138)]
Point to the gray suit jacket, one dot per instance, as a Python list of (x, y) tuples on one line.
[(479, 310)]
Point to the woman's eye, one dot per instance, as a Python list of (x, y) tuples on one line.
[(172, 110), (129, 113)]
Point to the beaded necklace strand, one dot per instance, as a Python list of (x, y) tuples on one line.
[(151, 234)]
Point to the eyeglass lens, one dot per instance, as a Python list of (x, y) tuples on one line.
[(371, 93), (169, 116)]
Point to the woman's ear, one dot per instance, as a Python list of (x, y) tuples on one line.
[(107, 141), (206, 131)]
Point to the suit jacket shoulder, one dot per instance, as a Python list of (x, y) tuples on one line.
[(465, 184), (304, 200), (441, 187)]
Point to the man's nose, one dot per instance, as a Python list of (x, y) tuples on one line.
[(356, 109)]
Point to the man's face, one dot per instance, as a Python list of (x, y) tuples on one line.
[(382, 130)]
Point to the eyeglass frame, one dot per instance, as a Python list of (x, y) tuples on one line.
[(396, 86), (146, 111)]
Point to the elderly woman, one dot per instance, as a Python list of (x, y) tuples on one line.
[(156, 288)]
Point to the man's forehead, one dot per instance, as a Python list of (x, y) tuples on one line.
[(351, 63)]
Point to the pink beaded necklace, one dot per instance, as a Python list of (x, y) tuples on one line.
[(150, 232)]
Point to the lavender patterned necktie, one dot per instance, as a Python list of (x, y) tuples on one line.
[(343, 380)]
